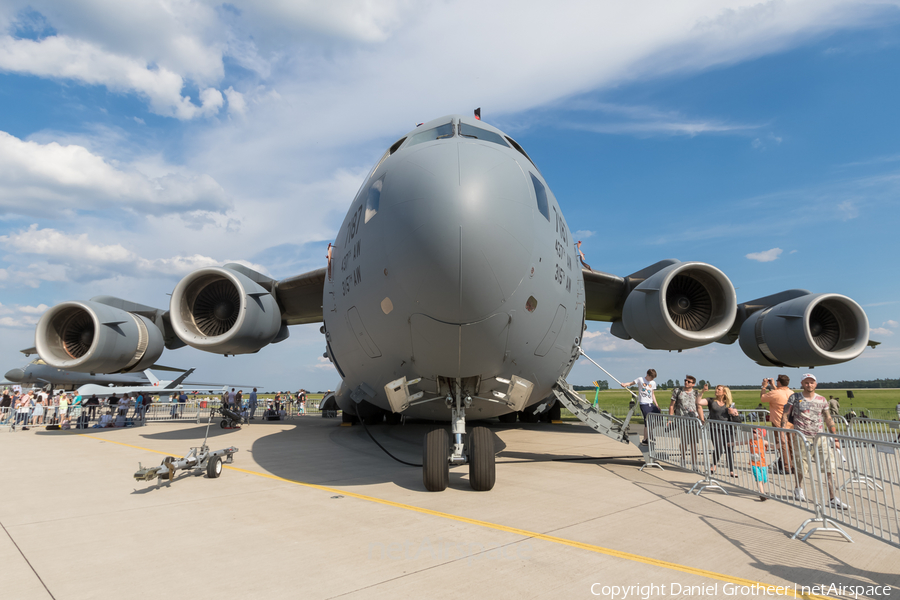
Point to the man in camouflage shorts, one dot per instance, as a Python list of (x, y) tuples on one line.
[(811, 413), (685, 403)]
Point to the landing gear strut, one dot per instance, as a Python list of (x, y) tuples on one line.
[(475, 448)]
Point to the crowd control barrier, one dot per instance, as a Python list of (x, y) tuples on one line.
[(843, 480), (865, 475), (875, 429)]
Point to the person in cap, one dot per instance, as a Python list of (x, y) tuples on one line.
[(810, 414)]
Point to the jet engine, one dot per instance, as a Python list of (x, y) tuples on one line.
[(812, 330), (91, 337), (220, 310), (682, 306)]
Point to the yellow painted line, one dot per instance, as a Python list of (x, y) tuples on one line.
[(514, 530)]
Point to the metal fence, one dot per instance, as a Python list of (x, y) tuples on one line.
[(841, 479), (875, 429), (756, 415), (865, 476), (161, 412)]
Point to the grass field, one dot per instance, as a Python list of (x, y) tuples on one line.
[(878, 403)]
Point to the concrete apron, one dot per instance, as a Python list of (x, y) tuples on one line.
[(570, 510)]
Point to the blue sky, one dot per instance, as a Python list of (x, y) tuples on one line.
[(139, 142)]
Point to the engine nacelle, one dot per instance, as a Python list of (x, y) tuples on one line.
[(683, 306), (91, 337), (809, 331), (220, 310)]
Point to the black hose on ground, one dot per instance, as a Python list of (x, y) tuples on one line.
[(361, 420)]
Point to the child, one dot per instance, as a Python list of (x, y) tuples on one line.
[(758, 447)]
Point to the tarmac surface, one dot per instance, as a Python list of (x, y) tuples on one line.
[(310, 509)]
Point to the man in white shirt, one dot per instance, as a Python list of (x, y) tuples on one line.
[(647, 395)]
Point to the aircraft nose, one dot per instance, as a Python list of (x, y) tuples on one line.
[(461, 236), (15, 375)]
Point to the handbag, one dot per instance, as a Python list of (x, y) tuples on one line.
[(736, 418)]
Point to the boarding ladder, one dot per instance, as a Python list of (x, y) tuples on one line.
[(600, 420)]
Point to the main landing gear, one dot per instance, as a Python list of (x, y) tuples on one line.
[(477, 451)]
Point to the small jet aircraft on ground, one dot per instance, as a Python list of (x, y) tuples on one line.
[(157, 387), (453, 290), (39, 373)]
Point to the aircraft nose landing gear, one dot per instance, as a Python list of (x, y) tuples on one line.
[(477, 450)]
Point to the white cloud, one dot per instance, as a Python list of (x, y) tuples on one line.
[(236, 102), (85, 260), (891, 323), (33, 310), (323, 363), (766, 255), (46, 177), (604, 341), (62, 57), (20, 316), (880, 331), (21, 322), (848, 210), (583, 234)]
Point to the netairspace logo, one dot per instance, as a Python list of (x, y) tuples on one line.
[(645, 592), (445, 550)]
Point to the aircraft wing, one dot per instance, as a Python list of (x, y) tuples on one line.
[(104, 391), (604, 295), (300, 297)]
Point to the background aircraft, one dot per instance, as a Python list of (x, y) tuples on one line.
[(453, 290), (160, 388), (39, 373)]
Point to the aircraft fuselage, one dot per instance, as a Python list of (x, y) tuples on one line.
[(454, 263)]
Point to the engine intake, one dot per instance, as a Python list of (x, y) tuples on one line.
[(91, 337), (809, 331), (220, 310), (682, 306)]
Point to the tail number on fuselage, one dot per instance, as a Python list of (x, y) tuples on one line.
[(562, 255), (353, 276)]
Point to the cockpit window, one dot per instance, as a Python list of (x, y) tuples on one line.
[(429, 135), (515, 145), (373, 199), (471, 131), (540, 192)]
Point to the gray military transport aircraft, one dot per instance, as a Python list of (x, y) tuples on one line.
[(453, 291)]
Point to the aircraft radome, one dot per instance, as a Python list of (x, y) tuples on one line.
[(453, 290)]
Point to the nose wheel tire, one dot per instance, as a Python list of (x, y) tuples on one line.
[(435, 460), (482, 463)]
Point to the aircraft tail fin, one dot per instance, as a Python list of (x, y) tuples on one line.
[(153, 379), (178, 380)]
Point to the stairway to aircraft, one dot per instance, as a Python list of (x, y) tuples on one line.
[(599, 420)]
